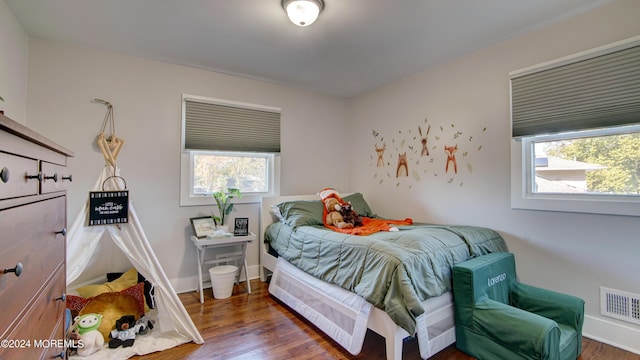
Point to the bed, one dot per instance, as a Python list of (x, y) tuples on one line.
[(324, 275)]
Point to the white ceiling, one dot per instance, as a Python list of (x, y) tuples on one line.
[(354, 46)]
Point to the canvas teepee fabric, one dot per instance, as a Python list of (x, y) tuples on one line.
[(173, 324)]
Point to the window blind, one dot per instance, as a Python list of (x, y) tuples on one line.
[(596, 92), (209, 126)]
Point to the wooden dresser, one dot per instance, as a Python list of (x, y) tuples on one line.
[(33, 218)]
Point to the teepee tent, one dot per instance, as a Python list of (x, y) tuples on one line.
[(173, 325)]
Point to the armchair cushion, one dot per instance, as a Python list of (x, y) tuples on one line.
[(566, 310), (525, 334), (563, 308)]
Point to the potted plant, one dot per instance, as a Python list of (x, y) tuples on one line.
[(223, 201)]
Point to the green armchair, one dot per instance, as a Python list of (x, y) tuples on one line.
[(499, 318)]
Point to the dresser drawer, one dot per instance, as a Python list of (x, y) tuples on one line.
[(54, 177), (57, 350), (34, 335), (13, 177), (29, 237)]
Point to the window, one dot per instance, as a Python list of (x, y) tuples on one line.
[(576, 133), (215, 171), (605, 162), (228, 145)]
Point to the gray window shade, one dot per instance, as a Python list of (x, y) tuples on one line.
[(229, 128), (597, 92)]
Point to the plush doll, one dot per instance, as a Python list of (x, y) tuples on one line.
[(332, 205), (144, 324), (349, 216), (334, 217), (73, 342), (125, 332), (91, 339)]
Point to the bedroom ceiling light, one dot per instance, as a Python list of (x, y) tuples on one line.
[(303, 12)]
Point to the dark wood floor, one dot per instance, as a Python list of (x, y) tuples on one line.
[(257, 326)]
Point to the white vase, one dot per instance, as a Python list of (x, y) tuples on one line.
[(224, 228)]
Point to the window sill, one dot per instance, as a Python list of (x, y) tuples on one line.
[(209, 201)]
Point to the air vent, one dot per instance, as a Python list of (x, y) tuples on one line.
[(620, 305)]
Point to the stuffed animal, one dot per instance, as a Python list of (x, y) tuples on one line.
[(349, 216), (91, 339), (73, 342), (145, 325), (334, 217), (125, 332)]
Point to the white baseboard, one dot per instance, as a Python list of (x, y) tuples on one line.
[(187, 284), (612, 333)]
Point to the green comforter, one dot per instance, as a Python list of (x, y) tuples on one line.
[(394, 271)]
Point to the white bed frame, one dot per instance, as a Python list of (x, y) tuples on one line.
[(438, 317)]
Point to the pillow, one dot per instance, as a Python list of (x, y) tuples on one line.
[(127, 280), (112, 306), (275, 211), (77, 303), (301, 213), (148, 288), (359, 204), (137, 292)]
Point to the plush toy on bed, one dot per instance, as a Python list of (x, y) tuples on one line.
[(125, 332), (332, 205), (334, 217), (87, 328), (349, 216)]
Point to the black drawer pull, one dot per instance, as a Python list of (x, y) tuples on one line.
[(62, 297), (4, 175), (67, 178), (63, 232), (38, 176), (54, 177), (17, 270)]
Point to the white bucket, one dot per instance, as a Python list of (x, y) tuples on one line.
[(222, 279)]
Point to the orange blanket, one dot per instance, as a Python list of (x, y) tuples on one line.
[(370, 226)]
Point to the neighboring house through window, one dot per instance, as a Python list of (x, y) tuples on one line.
[(557, 175)]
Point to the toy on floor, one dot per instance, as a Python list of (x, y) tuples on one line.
[(90, 339), (126, 330), (146, 325)]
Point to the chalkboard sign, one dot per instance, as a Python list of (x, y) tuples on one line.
[(108, 207), (241, 227)]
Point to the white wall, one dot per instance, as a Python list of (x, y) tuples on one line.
[(573, 253), (146, 95), (13, 66)]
